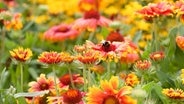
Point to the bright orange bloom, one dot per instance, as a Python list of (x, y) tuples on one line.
[(65, 79), (60, 32), (109, 93), (143, 64), (90, 21), (180, 42), (131, 79), (88, 57), (50, 57), (66, 57), (156, 9), (79, 48), (21, 54), (72, 96), (42, 84), (115, 36), (157, 56), (173, 94), (86, 5)]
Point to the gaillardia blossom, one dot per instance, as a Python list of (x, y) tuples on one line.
[(173, 94), (131, 79), (42, 84), (156, 9), (180, 42), (115, 36), (60, 32), (90, 21), (50, 57), (157, 56), (72, 96), (109, 93), (21, 54), (143, 64), (88, 57)]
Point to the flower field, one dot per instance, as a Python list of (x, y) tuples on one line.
[(91, 52)]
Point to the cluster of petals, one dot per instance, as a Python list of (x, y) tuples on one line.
[(143, 64), (90, 21), (50, 57), (21, 54), (60, 33), (88, 57), (157, 56), (179, 7), (173, 93), (131, 79), (180, 42), (157, 9), (109, 93)]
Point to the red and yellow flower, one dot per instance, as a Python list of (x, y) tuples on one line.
[(42, 83), (180, 42), (108, 93), (131, 79), (115, 36), (66, 57), (173, 93), (50, 57), (21, 54), (143, 64), (60, 32), (90, 21), (157, 56), (88, 57)]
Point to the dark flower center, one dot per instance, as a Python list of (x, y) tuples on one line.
[(111, 100), (44, 86), (107, 46), (92, 14), (63, 29), (72, 96)]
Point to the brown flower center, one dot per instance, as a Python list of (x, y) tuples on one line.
[(107, 46), (92, 14), (111, 100), (72, 96), (44, 86), (63, 29)]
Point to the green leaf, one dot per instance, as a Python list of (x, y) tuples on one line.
[(137, 36)]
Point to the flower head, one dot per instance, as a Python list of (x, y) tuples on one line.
[(60, 32), (72, 96), (143, 64), (42, 84), (173, 93), (157, 56), (109, 93), (180, 42), (179, 7), (65, 79), (115, 36), (90, 21), (131, 79), (66, 57), (156, 9), (50, 57), (88, 57), (21, 54)]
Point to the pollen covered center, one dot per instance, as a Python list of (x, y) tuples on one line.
[(111, 100)]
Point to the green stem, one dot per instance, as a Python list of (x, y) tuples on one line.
[(21, 77), (71, 78), (2, 43), (84, 76), (89, 78), (108, 70), (55, 83), (91, 35)]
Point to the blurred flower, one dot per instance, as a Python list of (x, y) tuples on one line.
[(50, 57), (21, 54), (88, 57), (156, 9), (42, 84), (79, 48), (108, 93), (90, 21), (143, 64), (15, 23), (72, 96), (115, 36), (66, 57), (60, 32), (97, 68), (86, 5), (9, 3), (131, 79), (65, 79), (179, 7), (180, 42), (55, 100), (173, 94), (157, 56)]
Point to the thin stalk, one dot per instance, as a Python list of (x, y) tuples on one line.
[(71, 78), (108, 70), (84, 76), (3, 32), (55, 83), (21, 77), (89, 77)]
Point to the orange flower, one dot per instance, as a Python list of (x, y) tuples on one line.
[(72, 96), (50, 57), (65, 79), (143, 64), (180, 42), (42, 84), (86, 5), (66, 57), (131, 79), (90, 21), (88, 57), (115, 36), (60, 32), (108, 93), (158, 9), (157, 56), (173, 94), (21, 54)]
